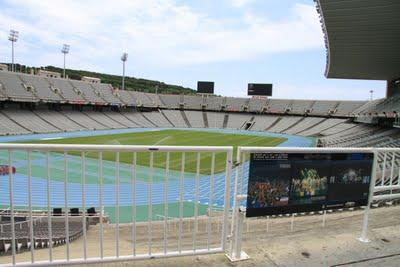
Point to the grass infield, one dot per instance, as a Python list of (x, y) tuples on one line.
[(173, 138)]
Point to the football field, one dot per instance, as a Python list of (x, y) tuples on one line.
[(170, 138)]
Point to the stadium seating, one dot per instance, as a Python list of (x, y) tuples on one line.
[(175, 117), (13, 87), (66, 90), (30, 121), (56, 118), (196, 119), (82, 119), (331, 121), (237, 121), (87, 91), (41, 86), (9, 127), (263, 122), (41, 236)]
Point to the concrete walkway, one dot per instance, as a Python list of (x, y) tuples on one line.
[(310, 244)]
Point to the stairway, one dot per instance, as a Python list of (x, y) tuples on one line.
[(185, 119), (205, 119), (226, 118)]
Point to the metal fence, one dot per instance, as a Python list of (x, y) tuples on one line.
[(163, 201)]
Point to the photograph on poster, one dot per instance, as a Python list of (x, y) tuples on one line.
[(269, 190)]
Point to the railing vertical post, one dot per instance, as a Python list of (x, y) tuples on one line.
[(364, 232), (196, 201), (117, 205), (166, 187), (211, 200), (181, 198), (11, 188), (101, 202), (134, 203), (227, 199), (235, 252), (150, 205), (66, 202), (49, 221), (83, 181), (31, 235)]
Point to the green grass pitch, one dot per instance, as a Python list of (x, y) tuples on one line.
[(173, 138)]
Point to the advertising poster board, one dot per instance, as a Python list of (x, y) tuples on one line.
[(281, 183)]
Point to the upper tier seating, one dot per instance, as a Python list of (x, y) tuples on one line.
[(13, 87), (42, 87)]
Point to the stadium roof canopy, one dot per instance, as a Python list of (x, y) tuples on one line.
[(362, 38)]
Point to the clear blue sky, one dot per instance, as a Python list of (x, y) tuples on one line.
[(231, 42)]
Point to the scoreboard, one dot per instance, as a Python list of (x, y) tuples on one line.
[(259, 89), (204, 87)]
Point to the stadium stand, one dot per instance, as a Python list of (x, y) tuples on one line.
[(158, 119), (332, 121), (9, 127), (306, 123), (278, 105), (121, 119), (214, 103), (87, 91), (14, 88), (237, 121), (56, 118), (257, 105), (175, 117), (107, 93), (215, 119), (346, 108), (262, 122), (196, 119), (324, 108), (235, 104), (127, 98), (63, 87), (170, 101), (284, 124), (193, 102), (103, 119), (41, 237), (300, 107), (84, 120), (41, 86), (30, 121)]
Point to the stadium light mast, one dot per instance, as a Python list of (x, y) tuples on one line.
[(371, 95), (65, 51), (13, 37), (124, 58)]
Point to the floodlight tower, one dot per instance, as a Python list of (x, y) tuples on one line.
[(372, 95), (65, 51), (124, 58), (13, 37)]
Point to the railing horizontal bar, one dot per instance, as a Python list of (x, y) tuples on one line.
[(115, 259), (386, 197), (381, 188), (316, 149), (115, 148)]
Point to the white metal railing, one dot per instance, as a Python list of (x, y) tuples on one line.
[(384, 186), (159, 234), (157, 241)]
